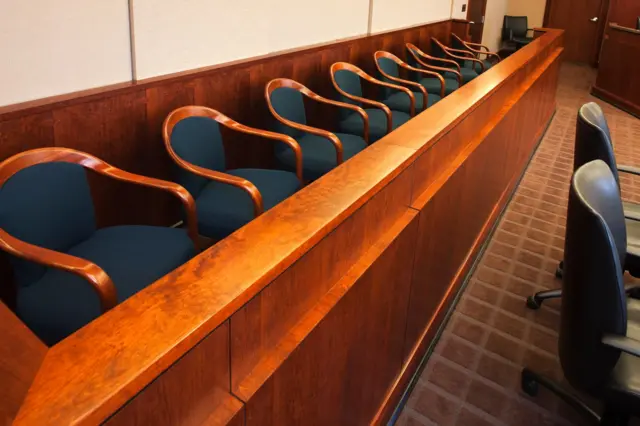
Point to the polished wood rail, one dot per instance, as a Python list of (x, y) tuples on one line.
[(319, 311)]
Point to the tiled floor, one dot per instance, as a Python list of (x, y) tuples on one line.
[(473, 377)]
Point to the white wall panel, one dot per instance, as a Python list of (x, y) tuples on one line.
[(394, 14), (54, 47), (178, 35), (457, 12)]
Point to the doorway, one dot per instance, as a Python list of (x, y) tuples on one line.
[(583, 22), (475, 14)]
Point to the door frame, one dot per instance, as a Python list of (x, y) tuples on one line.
[(603, 21), (484, 14)]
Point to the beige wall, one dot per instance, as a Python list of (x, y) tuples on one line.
[(533, 9), (456, 12), (55, 47), (494, 15)]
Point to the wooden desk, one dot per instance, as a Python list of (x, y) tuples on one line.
[(618, 82), (319, 311)]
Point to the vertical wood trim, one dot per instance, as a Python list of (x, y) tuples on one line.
[(132, 43), (370, 18)]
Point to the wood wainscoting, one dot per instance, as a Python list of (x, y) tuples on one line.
[(319, 311), (121, 124)]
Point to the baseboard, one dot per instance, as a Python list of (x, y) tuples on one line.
[(409, 376)]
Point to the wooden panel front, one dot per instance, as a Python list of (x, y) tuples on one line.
[(194, 391), (619, 65), (340, 372)]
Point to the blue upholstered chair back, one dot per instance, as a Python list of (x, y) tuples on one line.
[(457, 44), (414, 63), (390, 68), (198, 141), (288, 103), (48, 205), (350, 83)]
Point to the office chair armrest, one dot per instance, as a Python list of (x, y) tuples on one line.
[(623, 343), (629, 169), (91, 272), (288, 140), (411, 84), (434, 75)]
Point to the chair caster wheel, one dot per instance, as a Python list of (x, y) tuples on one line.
[(529, 384), (560, 271), (533, 303)]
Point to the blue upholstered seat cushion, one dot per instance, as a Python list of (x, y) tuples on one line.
[(467, 74), (399, 101), (377, 123), (224, 208), (319, 154), (433, 85), (134, 257), (476, 67)]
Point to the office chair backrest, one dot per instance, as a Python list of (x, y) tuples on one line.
[(638, 23), (49, 205), (197, 139), (593, 299), (517, 24), (593, 139)]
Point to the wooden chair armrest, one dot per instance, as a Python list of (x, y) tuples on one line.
[(412, 84), (91, 272), (185, 197), (288, 140), (459, 51), (457, 72), (339, 104), (465, 58), (244, 184), (398, 88), (480, 51), (438, 76), (374, 104)]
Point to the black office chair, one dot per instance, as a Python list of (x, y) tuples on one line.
[(593, 142), (599, 346), (514, 32)]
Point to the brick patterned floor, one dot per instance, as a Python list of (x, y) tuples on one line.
[(473, 377)]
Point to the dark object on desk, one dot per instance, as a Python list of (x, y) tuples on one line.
[(597, 343), (514, 32), (638, 23), (593, 142)]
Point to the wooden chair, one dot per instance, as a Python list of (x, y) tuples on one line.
[(346, 78), (226, 199), (67, 271), (389, 67), (322, 150), (448, 69), (470, 67), (491, 58)]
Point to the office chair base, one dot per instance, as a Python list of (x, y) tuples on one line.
[(559, 270), (531, 381), (534, 302)]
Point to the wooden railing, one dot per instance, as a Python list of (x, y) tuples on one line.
[(319, 311)]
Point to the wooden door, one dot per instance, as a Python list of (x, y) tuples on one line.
[(475, 14), (582, 21)]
